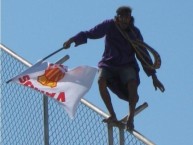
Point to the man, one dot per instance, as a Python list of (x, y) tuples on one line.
[(118, 68)]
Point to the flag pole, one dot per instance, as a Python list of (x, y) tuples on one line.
[(52, 53), (65, 58)]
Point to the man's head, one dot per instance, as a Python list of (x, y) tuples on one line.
[(124, 16)]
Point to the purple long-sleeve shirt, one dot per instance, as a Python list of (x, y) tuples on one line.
[(118, 52)]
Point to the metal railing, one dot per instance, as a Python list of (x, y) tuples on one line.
[(23, 120)]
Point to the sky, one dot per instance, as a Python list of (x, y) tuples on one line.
[(34, 29)]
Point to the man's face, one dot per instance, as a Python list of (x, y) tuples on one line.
[(124, 21)]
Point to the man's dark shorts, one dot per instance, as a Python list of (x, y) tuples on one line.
[(125, 74)]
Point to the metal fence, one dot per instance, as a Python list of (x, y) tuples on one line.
[(22, 116)]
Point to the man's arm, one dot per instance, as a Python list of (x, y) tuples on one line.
[(149, 71), (97, 32)]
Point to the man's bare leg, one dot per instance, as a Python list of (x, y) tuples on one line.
[(133, 99), (107, 100)]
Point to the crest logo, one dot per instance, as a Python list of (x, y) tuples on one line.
[(52, 75)]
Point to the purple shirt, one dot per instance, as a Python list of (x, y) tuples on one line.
[(118, 52)]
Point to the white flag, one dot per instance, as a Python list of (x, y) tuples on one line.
[(56, 81)]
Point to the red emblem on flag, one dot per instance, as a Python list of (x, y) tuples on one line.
[(52, 75)]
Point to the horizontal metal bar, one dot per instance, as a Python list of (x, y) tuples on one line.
[(137, 111), (142, 138), (15, 55), (96, 109)]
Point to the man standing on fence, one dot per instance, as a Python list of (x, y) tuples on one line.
[(118, 68)]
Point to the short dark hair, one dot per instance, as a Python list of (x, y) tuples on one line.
[(124, 10)]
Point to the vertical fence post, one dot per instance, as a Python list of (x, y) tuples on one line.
[(122, 127), (45, 108), (121, 136), (46, 125), (110, 134)]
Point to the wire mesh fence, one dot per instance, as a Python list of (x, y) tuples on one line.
[(21, 108), (22, 116)]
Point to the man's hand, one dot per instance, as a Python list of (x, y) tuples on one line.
[(157, 83), (67, 44)]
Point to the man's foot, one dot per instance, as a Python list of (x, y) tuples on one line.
[(111, 119), (130, 124)]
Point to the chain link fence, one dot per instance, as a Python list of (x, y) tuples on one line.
[(22, 116)]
